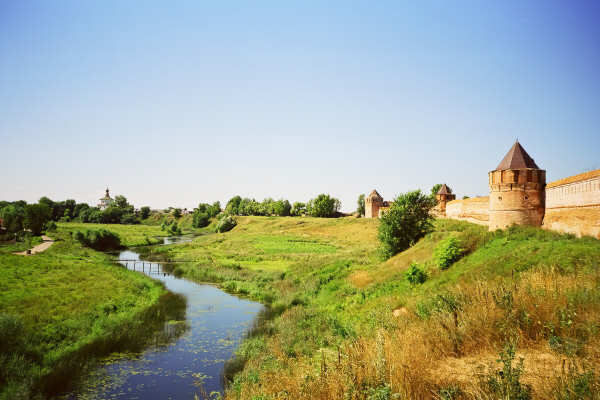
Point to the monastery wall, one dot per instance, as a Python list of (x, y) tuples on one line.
[(476, 210), (573, 205)]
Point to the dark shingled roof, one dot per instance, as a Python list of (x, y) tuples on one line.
[(516, 158), (374, 194), (444, 190)]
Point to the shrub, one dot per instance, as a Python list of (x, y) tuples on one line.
[(415, 275), (506, 384), (177, 213), (407, 221), (102, 239), (225, 224), (201, 219), (51, 226), (11, 333), (447, 252)]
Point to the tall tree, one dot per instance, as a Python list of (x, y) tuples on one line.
[(361, 205)]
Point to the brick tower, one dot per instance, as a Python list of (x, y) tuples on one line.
[(373, 202), (443, 196), (517, 193)]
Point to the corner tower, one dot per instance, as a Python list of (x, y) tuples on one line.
[(373, 202), (516, 191), (443, 196)]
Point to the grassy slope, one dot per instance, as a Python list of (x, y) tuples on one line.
[(64, 299), (339, 305), (131, 235)]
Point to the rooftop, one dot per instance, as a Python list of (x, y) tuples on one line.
[(516, 158)]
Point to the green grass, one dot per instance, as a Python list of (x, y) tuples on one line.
[(327, 286), (131, 235), (13, 247), (68, 303)]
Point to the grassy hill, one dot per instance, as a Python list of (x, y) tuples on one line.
[(345, 324), (61, 308)]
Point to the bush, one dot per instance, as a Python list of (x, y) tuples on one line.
[(101, 239), (201, 219), (225, 224), (415, 275), (447, 252), (11, 334), (407, 221), (506, 384), (51, 226)]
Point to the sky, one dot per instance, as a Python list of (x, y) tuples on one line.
[(176, 103)]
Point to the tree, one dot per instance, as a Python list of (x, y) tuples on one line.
[(70, 205), (36, 216), (13, 218), (361, 205), (112, 215), (79, 209), (407, 221), (145, 212), (281, 208), (233, 205), (177, 213), (298, 209), (200, 219), (435, 189), (121, 202), (323, 206), (214, 209)]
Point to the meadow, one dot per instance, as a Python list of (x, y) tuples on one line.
[(131, 235), (346, 324), (63, 308)]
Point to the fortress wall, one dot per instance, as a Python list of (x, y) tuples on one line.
[(573, 205), (476, 210)]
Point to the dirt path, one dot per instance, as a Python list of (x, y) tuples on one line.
[(47, 242)]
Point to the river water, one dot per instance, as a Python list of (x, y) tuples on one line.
[(190, 361)]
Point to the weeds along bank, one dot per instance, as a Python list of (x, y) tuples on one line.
[(349, 326), (61, 308)]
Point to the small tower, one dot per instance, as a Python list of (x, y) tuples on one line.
[(517, 191), (372, 204), (443, 196), (105, 201)]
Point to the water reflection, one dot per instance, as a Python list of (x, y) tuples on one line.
[(190, 359)]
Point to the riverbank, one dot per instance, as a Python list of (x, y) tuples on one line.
[(348, 325), (62, 308)]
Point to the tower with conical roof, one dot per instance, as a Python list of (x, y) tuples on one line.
[(373, 202), (443, 196), (517, 191)]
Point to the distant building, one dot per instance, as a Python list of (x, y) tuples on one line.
[(375, 205), (443, 196), (105, 201)]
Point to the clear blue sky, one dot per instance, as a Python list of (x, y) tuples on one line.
[(173, 103)]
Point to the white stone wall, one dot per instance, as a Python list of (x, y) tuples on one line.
[(585, 193)]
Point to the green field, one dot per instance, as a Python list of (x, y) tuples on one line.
[(62, 307), (348, 325), (131, 235)]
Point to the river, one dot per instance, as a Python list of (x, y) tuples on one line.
[(190, 361)]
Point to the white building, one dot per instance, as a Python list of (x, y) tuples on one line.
[(105, 201)]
